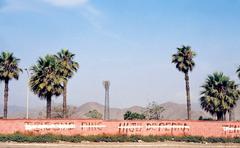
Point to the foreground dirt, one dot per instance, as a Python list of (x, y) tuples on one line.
[(118, 145)]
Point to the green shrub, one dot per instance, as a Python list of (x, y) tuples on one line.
[(4, 138), (195, 139), (133, 138), (103, 138), (236, 140), (164, 138), (74, 139), (150, 138), (219, 140), (19, 138), (44, 138), (133, 116)]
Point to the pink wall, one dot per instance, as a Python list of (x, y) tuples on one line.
[(94, 127)]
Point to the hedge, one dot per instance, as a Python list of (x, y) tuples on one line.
[(49, 138)]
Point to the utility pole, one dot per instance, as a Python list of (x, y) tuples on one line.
[(27, 101), (106, 85)]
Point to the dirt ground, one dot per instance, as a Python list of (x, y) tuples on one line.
[(118, 145)]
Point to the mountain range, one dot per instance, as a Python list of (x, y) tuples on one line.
[(172, 111)]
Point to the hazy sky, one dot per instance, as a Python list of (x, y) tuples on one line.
[(129, 42)]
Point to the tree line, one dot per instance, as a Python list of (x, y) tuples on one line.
[(153, 111), (50, 75), (219, 93)]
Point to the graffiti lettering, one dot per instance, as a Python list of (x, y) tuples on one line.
[(228, 129), (167, 126), (37, 126), (130, 127), (91, 126), (153, 127)]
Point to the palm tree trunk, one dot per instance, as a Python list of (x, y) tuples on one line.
[(224, 117), (65, 100), (49, 107), (231, 114), (188, 96), (5, 109), (220, 116)]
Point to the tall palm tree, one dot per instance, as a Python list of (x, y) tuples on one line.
[(184, 63), (238, 72), (9, 69), (67, 68), (219, 95), (231, 112), (46, 80)]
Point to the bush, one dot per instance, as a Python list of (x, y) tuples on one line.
[(4, 138), (133, 138), (133, 116), (194, 139), (74, 139), (206, 119), (236, 140), (44, 139), (150, 138), (219, 140), (19, 138)]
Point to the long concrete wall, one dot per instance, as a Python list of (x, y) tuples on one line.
[(95, 127)]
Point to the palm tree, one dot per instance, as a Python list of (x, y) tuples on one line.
[(231, 112), (219, 95), (9, 69), (238, 72), (67, 68), (46, 80), (184, 63), (235, 93)]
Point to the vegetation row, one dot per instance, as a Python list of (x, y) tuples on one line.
[(18, 137)]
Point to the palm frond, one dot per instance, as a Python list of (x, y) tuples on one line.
[(184, 59)]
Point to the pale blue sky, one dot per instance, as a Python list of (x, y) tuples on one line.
[(129, 42)]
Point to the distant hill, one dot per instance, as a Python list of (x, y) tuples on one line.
[(14, 111), (179, 111), (115, 113), (19, 112), (172, 111)]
